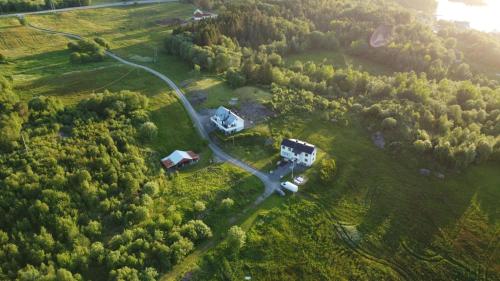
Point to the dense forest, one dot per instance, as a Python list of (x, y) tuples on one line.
[(78, 192), (13, 6), (436, 105)]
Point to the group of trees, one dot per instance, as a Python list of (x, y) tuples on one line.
[(12, 6), (435, 108), (77, 194), (85, 51)]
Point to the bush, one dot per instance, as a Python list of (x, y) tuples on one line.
[(227, 203), (3, 59), (422, 145), (199, 206), (236, 237), (328, 169), (86, 51), (148, 131), (389, 123), (102, 42)]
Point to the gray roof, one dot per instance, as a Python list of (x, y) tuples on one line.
[(298, 146), (227, 116)]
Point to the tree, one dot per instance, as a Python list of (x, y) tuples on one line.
[(236, 237), (389, 123), (199, 206), (64, 275), (148, 131), (327, 171), (227, 203), (3, 59), (422, 145)]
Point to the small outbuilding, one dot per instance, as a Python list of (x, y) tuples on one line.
[(179, 158)]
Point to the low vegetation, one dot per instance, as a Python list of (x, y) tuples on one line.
[(85, 51), (16, 6), (89, 155)]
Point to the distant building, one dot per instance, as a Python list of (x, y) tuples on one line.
[(200, 15), (298, 151), (179, 158), (227, 121)]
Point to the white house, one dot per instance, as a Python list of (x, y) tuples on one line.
[(201, 15), (227, 121), (298, 151)]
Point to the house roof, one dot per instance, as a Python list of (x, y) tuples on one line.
[(298, 146), (199, 14), (178, 157), (226, 116)]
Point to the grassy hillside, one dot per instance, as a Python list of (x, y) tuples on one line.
[(437, 227)]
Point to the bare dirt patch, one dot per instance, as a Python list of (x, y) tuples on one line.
[(254, 112)]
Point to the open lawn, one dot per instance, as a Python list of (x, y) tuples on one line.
[(209, 92), (133, 32), (391, 211)]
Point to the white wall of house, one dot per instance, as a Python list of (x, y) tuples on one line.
[(236, 126), (300, 158)]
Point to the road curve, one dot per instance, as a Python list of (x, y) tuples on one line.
[(270, 185), (105, 5)]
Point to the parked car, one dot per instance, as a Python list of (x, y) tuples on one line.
[(299, 180)]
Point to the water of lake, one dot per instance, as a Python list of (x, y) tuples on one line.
[(484, 17)]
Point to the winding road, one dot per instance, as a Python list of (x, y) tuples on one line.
[(105, 5), (270, 185)]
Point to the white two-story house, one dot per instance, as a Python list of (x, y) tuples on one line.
[(298, 151), (227, 121)]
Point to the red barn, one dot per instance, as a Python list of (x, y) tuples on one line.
[(179, 158)]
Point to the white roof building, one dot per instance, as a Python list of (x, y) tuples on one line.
[(179, 158), (227, 121), (201, 15), (298, 151)]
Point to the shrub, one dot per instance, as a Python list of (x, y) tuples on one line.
[(148, 131), (328, 169), (199, 206), (389, 123), (236, 237), (422, 145), (227, 203), (3, 59), (102, 42)]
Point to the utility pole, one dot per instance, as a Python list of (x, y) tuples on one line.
[(155, 55)]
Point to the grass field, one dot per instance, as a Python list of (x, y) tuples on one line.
[(396, 214), (134, 32), (217, 92)]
